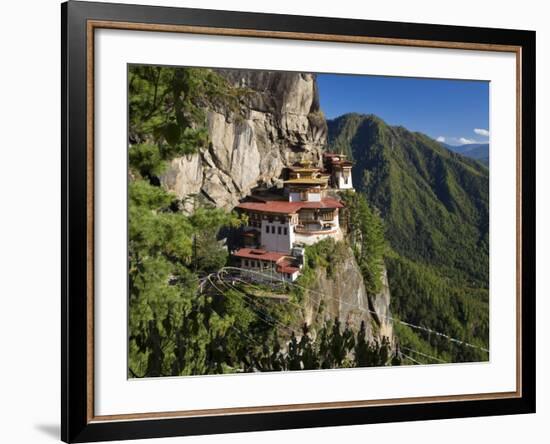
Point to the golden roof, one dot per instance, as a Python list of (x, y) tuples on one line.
[(306, 180), (304, 169)]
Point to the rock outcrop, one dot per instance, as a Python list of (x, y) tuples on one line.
[(342, 295), (279, 122)]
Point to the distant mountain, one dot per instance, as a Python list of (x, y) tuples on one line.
[(477, 151), (435, 203)]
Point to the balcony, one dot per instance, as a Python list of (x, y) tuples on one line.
[(315, 228)]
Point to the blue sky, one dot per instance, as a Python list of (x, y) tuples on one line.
[(452, 111)]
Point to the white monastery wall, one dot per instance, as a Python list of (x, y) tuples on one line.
[(277, 236)]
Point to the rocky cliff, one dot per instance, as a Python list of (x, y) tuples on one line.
[(278, 123), (341, 293)]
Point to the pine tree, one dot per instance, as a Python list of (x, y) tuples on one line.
[(325, 354), (337, 344), (396, 359), (294, 360), (367, 234), (361, 349), (277, 360), (308, 352)]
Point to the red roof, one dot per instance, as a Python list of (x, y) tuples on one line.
[(285, 267), (342, 163), (284, 207), (263, 255)]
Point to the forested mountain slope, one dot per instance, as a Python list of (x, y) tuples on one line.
[(477, 151), (435, 206), (435, 203)]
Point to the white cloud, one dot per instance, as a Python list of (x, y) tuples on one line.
[(481, 132), (441, 139), (464, 141)]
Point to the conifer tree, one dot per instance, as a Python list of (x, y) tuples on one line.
[(277, 360), (367, 233), (361, 350), (294, 359), (308, 352)]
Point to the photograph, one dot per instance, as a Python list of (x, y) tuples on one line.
[(274, 222), (282, 221)]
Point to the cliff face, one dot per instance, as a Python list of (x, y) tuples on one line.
[(279, 122), (342, 294)]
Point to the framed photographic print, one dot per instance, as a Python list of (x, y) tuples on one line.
[(277, 221)]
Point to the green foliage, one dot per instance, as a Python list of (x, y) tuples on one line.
[(174, 329), (152, 228), (435, 208), (337, 346), (434, 203), (366, 232), (341, 131), (333, 347), (421, 296), (167, 116), (209, 255), (146, 160), (372, 354), (326, 253), (171, 329), (166, 102)]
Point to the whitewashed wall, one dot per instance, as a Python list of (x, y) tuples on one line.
[(275, 241)]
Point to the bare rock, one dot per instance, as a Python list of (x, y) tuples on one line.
[(343, 295), (280, 123)]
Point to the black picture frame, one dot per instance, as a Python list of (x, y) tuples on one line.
[(76, 423)]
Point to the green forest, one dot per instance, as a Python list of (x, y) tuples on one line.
[(176, 329), (435, 209), (419, 213)]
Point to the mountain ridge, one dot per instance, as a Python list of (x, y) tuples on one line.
[(435, 207), (477, 151), (421, 189)]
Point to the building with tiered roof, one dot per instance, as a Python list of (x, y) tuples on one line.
[(281, 224), (339, 169)]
